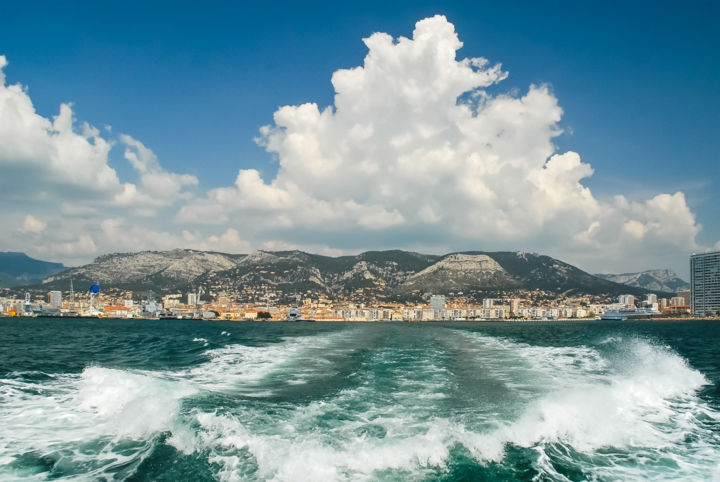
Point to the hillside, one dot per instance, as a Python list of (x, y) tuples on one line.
[(158, 270), (19, 269), (383, 275), (370, 274), (654, 280)]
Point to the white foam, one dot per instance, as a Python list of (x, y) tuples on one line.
[(244, 368), (571, 397), (349, 436), (622, 410), (288, 456), (644, 402), (104, 407), (100, 406), (628, 394), (130, 403)]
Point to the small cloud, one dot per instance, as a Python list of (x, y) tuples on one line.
[(32, 225)]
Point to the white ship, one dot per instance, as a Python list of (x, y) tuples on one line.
[(632, 313), (294, 314)]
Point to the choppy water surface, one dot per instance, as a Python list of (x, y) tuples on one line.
[(191, 400)]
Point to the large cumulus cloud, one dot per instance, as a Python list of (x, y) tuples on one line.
[(58, 188), (48, 152), (51, 158), (420, 149), (416, 143)]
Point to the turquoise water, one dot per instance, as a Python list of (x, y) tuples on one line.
[(193, 400)]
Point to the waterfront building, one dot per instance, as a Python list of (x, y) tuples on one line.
[(627, 300), (491, 302), (705, 283), (514, 306), (118, 311), (437, 305), (151, 308), (686, 295), (677, 301), (55, 299), (652, 302), (171, 301)]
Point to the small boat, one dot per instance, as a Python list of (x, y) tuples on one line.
[(294, 314)]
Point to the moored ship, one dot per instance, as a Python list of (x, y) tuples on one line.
[(294, 314), (622, 314)]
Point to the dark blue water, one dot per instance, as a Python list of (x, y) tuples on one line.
[(193, 400)]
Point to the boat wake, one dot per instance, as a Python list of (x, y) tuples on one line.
[(451, 405)]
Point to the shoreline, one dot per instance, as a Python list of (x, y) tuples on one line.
[(563, 320)]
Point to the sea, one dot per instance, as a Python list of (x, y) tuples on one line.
[(99, 399)]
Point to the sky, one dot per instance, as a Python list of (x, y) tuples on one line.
[(582, 130)]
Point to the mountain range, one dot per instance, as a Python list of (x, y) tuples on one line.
[(654, 280), (19, 269), (389, 275)]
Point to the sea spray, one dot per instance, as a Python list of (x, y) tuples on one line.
[(366, 402), (98, 419)]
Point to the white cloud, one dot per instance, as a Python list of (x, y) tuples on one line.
[(63, 243), (276, 245), (416, 150), (48, 159), (635, 228), (59, 171), (48, 152), (120, 236), (415, 143), (157, 186), (77, 240), (32, 225)]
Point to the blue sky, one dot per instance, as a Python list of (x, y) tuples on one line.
[(194, 82)]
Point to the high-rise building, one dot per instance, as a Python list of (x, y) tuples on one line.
[(437, 305), (514, 306), (55, 299), (192, 299), (651, 299), (705, 283), (677, 301), (627, 300), (685, 294)]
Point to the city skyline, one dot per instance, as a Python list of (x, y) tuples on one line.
[(426, 145)]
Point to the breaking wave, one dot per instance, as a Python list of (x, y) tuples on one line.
[(623, 408)]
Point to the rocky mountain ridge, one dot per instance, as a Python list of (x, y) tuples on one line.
[(175, 267), (388, 275), (654, 280)]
